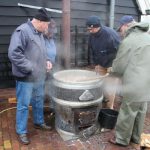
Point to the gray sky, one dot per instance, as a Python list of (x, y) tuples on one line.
[(143, 5)]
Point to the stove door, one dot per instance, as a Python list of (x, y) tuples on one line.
[(85, 117)]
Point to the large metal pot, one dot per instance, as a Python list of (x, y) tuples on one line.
[(77, 96)]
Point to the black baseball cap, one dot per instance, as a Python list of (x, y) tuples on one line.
[(125, 20)]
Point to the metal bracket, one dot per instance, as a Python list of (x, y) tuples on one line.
[(37, 7)]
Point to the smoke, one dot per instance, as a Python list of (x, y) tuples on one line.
[(112, 86)]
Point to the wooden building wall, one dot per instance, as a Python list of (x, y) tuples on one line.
[(81, 9), (11, 16)]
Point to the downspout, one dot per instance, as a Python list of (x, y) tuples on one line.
[(112, 13), (66, 33)]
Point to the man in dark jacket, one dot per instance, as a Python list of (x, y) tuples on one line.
[(103, 44), (27, 53)]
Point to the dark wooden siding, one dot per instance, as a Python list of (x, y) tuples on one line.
[(11, 16), (81, 9), (126, 7)]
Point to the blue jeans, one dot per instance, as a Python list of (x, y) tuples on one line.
[(29, 93)]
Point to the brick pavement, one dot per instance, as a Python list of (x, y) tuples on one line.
[(48, 140)]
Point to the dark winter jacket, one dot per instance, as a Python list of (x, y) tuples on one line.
[(103, 46), (27, 53)]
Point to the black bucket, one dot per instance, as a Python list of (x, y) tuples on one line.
[(108, 118)]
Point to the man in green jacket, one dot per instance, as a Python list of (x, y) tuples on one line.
[(132, 63)]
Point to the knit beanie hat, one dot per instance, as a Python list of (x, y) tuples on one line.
[(93, 21), (42, 15)]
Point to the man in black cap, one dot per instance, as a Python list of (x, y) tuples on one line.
[(27, 53), (103, 44)]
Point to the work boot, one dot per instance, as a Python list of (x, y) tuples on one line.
[(136, 146), (23, 139), (113, 141), (42, 127)]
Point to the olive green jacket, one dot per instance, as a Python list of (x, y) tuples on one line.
[(132, 63)]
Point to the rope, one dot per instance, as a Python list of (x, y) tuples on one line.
[(13, 108)]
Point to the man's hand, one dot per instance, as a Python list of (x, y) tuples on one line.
[(48, 66), (97, 69), (100, 70), (109, 69)]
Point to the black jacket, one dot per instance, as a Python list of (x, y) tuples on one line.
[(103, 46)]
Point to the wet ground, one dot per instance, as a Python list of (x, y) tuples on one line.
[(48, 140)]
